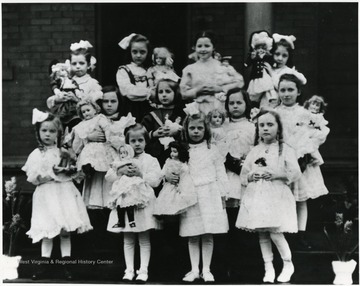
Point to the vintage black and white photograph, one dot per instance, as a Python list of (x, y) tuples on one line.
[(180, 143)]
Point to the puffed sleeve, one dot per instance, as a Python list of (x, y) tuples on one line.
[(186, 87), (104, 124), (131, 91), (36, 171), (111, 175), (238, 80), (92, 89), (291, 166), (152, 171)]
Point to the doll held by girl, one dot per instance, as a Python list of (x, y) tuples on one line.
[(174, 199), (128, 192)]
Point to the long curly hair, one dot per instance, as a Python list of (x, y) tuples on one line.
[(202, 118), (58, 125), (183, 150), (84, 102), (280, 136)]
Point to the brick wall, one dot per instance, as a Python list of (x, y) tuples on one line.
[(34, 35), (227, 22)]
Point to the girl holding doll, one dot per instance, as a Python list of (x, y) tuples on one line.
[(295, 120), (160, 123), (208, 217), (81, 64), (57, 207), (268, 205), (146, 167), (94, 158), (198, 82), (132, 79)]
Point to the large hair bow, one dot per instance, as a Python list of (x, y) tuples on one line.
[(191, 108), (38, 116), (125, 42), (290, 39), (261, 38), (80, 45), (299, 75)]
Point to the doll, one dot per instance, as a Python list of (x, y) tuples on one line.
[(260, 84), (216, 118), (162, 66), (127, 192), (64, 89), (176, 198), (171, 126)]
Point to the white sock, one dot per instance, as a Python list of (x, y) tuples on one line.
[(282, 245), (46, 247), (266, 247), (145, 249), (207, 250), (302, 215), (194, 252), (65, 244), (129, 250)]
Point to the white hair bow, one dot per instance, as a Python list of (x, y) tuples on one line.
[(124, 43), (299, 75), (261, 38), (191, 108), (38, 116), (80, 45), (290, 39)]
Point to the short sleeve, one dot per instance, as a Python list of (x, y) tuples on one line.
[(152, 172)]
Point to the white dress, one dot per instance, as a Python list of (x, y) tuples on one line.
[(88, 87), (211, 184), (240, 137), (218, 138), (175, 199), (269, 205), (197, 74), (128, 191), (295, 120), (57, 204), (151, 171), (98, 154)]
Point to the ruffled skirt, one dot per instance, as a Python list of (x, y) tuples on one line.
[(131, 191), (267, 206), (174, 200), (258, 86), (310, 186), (57, 206), (98, 155)]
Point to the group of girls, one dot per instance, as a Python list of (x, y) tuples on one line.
[(219, 162)]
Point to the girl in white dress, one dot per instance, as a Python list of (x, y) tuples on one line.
[(148, 168), (127, 192), (208, 216), (268, 205), (176, 199), (57, 206), (295, 119), (198, 82)]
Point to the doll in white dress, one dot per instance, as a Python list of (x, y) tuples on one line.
[(174, 199), (57, 206), (216, 119), (127, 192)]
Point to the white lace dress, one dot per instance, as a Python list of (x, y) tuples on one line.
[(211, 184), (295, 120), (269, 205), (175, 199), (151, 171), (98, 154), (57, 204)]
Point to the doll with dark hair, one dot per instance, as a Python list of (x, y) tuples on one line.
[(174, 199)]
